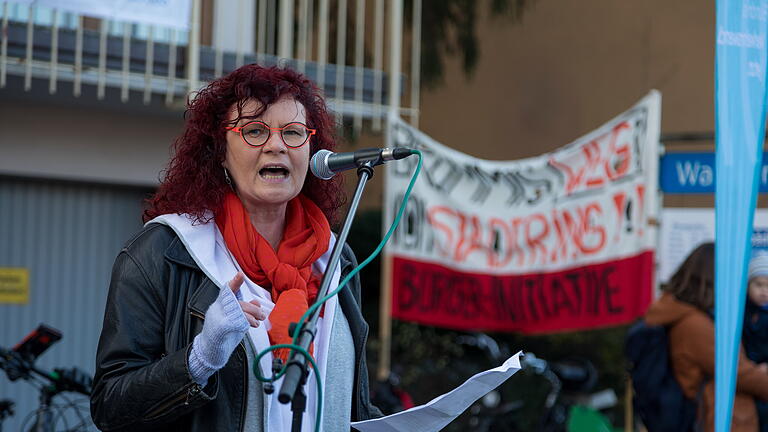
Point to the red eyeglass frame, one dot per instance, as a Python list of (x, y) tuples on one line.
[(239, 130)]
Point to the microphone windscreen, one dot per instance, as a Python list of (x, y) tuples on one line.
[(319, 164)]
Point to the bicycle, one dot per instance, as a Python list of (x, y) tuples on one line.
[(6, 410), (568, 403), (19, 363)]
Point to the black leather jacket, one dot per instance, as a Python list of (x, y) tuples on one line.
[(157, 300)]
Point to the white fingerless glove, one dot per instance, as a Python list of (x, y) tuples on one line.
[(225, 326)]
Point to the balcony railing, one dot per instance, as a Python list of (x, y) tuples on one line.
[(152, 62)]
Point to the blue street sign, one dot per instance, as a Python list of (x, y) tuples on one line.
[(694, 173)]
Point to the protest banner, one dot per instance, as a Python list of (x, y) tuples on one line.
[(557, 242)]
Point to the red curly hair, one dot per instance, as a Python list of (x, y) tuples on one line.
[(194, 181)]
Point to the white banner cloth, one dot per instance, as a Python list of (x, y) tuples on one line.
[(165, 13)]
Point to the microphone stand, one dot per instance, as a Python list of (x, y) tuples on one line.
[(297, 371)]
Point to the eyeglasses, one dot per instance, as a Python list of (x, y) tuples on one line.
[(257, 133)]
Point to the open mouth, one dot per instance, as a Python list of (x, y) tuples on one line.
[(274, 172)]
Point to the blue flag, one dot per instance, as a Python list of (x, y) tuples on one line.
[(740, 95)]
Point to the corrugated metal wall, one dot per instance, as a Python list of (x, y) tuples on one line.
[(67, 235)]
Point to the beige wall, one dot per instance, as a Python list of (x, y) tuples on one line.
[(87, 144), (572, 65)]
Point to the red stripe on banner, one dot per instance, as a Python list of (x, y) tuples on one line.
[(598, 295)]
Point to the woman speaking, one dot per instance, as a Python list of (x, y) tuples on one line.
[(235, 243)]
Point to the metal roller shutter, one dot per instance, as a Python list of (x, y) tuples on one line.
[(67, 235)]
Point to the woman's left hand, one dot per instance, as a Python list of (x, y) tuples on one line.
[(253, 312), (252, 309)]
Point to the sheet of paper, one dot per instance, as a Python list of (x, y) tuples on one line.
[(437, 413)]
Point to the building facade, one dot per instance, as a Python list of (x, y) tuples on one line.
[(89, 107)]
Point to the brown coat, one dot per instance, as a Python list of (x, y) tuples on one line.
[(692, 352)]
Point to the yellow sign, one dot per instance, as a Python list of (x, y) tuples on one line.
[(14, 285)]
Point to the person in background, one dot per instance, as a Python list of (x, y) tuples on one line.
[(235, 243), (755, 333), (686, 309)]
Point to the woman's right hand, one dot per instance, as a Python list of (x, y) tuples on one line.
[(226, 324)]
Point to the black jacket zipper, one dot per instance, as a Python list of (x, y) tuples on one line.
[(245, 376), (183, 395)]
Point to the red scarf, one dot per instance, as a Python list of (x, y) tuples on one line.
[(287, 272)]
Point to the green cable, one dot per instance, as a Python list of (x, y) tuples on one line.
[(300, 324)]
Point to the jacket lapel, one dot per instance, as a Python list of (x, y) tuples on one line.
[(178, 254), (203, 295)]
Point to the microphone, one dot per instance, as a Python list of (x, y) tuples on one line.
[(325, 163)]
